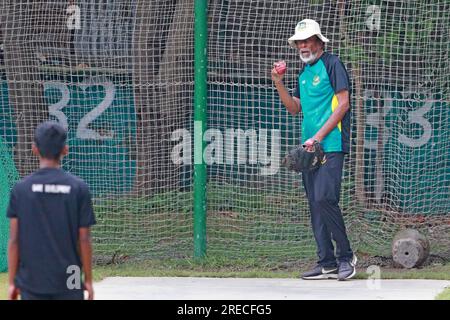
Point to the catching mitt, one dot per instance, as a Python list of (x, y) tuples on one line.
[(300, 159)]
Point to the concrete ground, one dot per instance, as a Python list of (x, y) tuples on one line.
[(135, 288)]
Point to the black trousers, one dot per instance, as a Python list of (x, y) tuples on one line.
[(323, 187)]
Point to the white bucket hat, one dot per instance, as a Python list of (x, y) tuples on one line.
[(306, 29)]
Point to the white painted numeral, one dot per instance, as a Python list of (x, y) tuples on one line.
[(55, 109), (416, 116), (83, 132), (373, 21), (74, 20)]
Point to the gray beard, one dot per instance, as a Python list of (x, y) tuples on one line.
[(312, 57)]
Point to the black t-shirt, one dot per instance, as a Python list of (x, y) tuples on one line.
[(51, 206)]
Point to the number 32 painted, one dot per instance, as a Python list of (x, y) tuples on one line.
[(83, 132)]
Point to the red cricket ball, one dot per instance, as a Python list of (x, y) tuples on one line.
[(280, 67)]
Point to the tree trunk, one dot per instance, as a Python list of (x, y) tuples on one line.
[(146, 55), (177, 73), (359, 108), (359, 153), (379, 176), (20, 22), (163, 82)]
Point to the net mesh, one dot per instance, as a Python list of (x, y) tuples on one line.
[(119, 75), (8, 176)]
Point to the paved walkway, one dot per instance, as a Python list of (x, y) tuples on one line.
[(169, 288)]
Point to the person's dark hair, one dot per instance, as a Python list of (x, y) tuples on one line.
[(50, 138)]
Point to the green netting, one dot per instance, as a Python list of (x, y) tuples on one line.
[(8, 176), (119, 75)]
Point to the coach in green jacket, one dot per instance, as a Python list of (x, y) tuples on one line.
[(322, 94)]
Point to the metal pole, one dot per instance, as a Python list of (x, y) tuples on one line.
[(200, 118)]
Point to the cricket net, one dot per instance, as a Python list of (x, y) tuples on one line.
[(118, 74)]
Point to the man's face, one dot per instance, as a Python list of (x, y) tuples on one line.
[(308, 49)]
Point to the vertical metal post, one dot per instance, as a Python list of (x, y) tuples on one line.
[(200, 118)]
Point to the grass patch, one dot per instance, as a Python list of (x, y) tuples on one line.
[(145, 269), (269, 222), (265, 220), (241, 222), (445, 295), (3, 286), (441, 272), (242, 268), (217, 266), (431, 273)]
